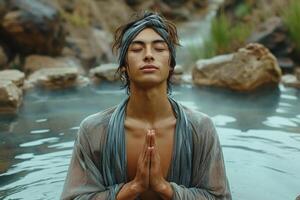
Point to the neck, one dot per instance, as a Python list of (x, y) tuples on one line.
[(149, 105)]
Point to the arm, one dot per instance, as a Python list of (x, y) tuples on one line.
[(209, 181), (84, 180)]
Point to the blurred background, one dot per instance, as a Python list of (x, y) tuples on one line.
[(239, 62)]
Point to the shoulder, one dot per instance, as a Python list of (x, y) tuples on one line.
[(92, 131), (99, 119), (202, 126), (198, 118)]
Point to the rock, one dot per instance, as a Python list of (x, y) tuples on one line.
[(2, 9), (56, 78), (176, 78), (245, 70), (179, 10), (91, 46), (3, 57), (10, 97), (16, 76), (36, 62), (102, 14), (297, 72), (286, 64), (178, 70), (33, 27), (274, 36), (133, 2), (290, 80), (104, 72)]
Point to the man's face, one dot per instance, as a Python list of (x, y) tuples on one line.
[(148, 59)]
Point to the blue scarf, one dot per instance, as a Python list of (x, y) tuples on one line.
[(114, 151)]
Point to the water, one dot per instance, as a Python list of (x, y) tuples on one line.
[(259, 133)]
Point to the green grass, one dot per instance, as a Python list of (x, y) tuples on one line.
[(224, 38), (291, 18)]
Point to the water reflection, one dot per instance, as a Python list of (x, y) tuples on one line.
[(260, 144)]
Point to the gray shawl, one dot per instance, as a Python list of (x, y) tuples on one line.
[(115, 169), (98, 165)]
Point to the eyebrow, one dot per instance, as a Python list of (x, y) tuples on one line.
[(140, 42)]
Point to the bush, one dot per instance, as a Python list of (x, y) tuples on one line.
[(224, 38), (291, 18)]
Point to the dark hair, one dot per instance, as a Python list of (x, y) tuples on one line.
[(118, 38)]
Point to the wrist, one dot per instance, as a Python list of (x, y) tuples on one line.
[(136, 187), (129, 191), (165, 190)]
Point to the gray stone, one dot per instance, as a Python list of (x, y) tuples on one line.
[(176, 78), (56, 78), (297, 73), (16, 76), (290, 80), (33, 27), (10, 97), (36, 62), (104, 72), (90, 45)]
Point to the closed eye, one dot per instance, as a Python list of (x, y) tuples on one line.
[(160, 49), (136, 49)]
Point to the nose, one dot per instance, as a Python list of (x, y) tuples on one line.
[(148, 55)]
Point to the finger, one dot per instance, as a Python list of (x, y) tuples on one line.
[(148, 156), (146, 144), (153, 138)]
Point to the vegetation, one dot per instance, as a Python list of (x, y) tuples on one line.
[(224, 38), (291, 18), (75, 19)]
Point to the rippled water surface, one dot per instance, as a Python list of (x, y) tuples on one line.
[(259, 133)]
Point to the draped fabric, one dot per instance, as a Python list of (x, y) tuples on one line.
[(156, 23), (115, 169), (98, 165)]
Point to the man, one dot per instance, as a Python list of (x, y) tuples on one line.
[(149, 146)]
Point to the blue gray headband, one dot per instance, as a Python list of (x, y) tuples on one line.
[(151, 21)]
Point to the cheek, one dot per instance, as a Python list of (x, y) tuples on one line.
[(129, 60)]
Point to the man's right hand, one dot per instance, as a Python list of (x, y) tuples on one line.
[(140, 183), (141, 179)]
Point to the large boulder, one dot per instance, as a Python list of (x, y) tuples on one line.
[(3, 57), (31, 26), (104, 72), (90, 45), (107, 15), (297, 72), (56, 78), (244, 70), (36, 62), (176, 77), (10, 97), (17, 77), (274, 36)]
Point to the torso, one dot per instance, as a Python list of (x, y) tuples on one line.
[(135, 136)]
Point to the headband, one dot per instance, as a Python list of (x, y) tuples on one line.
[(151, 21)]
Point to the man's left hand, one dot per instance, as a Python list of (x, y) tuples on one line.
[(157, 181)]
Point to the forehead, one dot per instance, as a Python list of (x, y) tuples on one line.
[(147, 35)]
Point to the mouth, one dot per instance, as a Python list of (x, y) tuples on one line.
[(149, 68)]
